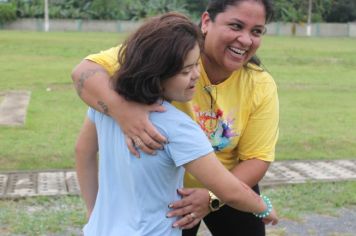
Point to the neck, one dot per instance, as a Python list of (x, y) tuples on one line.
[(215, 73)]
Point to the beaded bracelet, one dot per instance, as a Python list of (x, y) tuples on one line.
[(266, 212)]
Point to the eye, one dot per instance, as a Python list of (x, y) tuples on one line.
[(236, 26), (258, 32), (185, 72)]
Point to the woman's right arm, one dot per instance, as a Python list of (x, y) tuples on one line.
[(86, 164), (227, 187), (92, 83)]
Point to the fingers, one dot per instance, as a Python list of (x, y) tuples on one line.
[(191, 224), (185, 191), (180, 211), (181, 203), (150, 143), (156, 108), (154, 137), (131, 147), (146, 143), (187, 222), (194, 200)]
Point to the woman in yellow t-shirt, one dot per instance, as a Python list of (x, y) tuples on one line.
[(235, 103)]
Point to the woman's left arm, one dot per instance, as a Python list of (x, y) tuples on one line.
[(256, 147), (251, 171), (255, 151)]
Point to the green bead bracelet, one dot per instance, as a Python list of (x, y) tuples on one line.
[(266, 212)]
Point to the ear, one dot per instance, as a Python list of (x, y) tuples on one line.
[(205, 20)]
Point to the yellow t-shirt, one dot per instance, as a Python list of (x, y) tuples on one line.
[(240, 115)]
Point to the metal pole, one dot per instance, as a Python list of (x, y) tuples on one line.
[(309, 18), (46, 18)]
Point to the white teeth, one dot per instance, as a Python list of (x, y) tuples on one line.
[(238, 51)]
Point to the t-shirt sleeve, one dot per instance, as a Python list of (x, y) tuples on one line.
[(91, 114), (261, 134), (107, 59), (187, 143)]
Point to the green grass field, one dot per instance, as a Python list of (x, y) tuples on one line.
[(316, 78)]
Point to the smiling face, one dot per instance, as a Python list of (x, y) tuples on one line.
[(181, 87), (233, 37)]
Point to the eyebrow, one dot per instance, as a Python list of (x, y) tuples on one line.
[(243, 23)]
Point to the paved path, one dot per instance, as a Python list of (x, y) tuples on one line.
[(13, 107), (63, 182)]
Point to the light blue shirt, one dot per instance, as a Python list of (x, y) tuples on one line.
[(134, 193)]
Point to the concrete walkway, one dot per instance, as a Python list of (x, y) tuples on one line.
[(13, 107), (63, 182)]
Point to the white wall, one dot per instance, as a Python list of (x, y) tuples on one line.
[(275, 28)]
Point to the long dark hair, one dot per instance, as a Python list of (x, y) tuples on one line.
[(217, 6), (154, 53)]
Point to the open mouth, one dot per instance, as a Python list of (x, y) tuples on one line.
[(237, 51)]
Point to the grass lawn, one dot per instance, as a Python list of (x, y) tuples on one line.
[(316, 81), (315, 76)]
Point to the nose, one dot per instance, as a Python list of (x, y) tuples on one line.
[(245, 38), (196, 72)]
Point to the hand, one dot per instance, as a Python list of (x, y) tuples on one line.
[(271, 218), (192, 207), (135, 123)]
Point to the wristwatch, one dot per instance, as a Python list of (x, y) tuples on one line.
[(214, 202)]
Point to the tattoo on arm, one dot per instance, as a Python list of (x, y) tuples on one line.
[(103, 107), (85, 76)]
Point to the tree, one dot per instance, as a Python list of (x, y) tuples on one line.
[(196, 7), (341, 11)]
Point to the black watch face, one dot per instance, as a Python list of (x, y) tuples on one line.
[(215, 203)]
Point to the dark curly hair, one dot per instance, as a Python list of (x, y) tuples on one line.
[(217, 6), (154, 53)]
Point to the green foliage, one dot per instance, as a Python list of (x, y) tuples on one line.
[(342, 11), (297, 11), (286, 10), (7, 13), (144, 8), (99, 9), (196, 7), (322, 10)]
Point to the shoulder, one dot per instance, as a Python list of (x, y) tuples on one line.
[(258, 74), (176, 124), (171, 118), (98, 117), (106, 58), (259, 79)]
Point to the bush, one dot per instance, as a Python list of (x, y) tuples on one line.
[(7, 12)]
